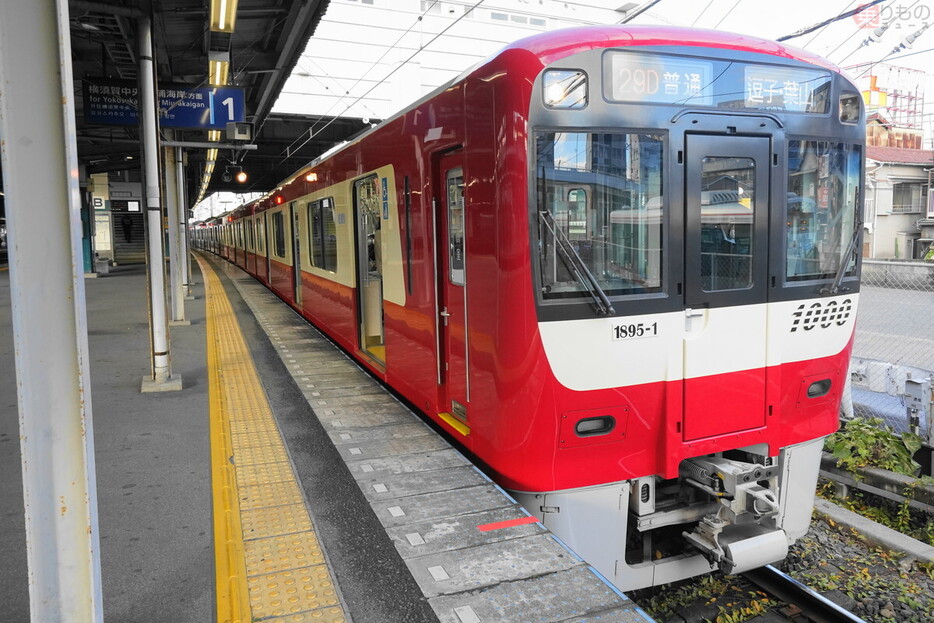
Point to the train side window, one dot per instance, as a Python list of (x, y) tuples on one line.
[(323, 234), (278, 232), (455, 182), (260, 237)]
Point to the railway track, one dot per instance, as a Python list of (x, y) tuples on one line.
[(812, 604)]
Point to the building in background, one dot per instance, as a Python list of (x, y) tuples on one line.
[(898, 180), (219, 203), (899, 217)]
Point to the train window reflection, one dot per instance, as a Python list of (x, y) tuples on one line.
[(820, 219), (728, 195), (599, 213)]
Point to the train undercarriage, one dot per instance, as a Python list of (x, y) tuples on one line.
[(731, 511)]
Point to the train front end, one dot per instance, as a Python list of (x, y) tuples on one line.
[(694, 225)]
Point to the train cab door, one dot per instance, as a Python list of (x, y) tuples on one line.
[(727, 193), (368, 214), (450, 219), (294, 217)]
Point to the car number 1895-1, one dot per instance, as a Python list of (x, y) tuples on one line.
[(633, 330)]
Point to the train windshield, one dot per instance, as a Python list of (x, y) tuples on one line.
[(599, 213), (823, 194)]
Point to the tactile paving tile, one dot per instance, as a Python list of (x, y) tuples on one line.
[(252, 426), (274, 521), (260, 436), (290, 592), (282, 553), (251, 455), (324, 615), (263, 473), (268, 494)]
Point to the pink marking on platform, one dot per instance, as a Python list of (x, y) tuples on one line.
[(499, 525)]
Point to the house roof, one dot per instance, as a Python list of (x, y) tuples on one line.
[(900, 155)]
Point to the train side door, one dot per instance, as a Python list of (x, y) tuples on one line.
[(368, 212), (296, 254), (268, 261), (726, 269), (450, 216)]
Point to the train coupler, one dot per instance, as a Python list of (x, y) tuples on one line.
[(741, 535), (736, 549)]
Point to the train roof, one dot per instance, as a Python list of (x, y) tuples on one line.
[(554, 45), (557, 44)]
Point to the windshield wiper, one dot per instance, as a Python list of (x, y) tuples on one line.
[(845, 260), (844, 263), (577, 266)]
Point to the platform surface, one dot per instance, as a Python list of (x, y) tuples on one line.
[(362, 512)]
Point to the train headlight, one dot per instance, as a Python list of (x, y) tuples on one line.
[(564, 88), (819, 388), (589, 427)]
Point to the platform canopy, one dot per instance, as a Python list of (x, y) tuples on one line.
[(267, 39)]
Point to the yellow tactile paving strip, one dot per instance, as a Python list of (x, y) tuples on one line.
[(269, 563)]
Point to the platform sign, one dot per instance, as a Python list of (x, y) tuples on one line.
[(116, 102)]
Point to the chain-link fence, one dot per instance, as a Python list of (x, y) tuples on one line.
[(893, 357)]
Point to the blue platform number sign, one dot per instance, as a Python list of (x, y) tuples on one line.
[(385, 182), (116, 102)]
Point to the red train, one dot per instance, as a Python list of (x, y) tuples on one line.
[(618, 265)]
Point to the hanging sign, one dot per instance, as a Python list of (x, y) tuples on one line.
[(116, 102)]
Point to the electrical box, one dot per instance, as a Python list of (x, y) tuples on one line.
[(239, 131)]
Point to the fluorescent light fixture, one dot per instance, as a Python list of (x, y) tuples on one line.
[(223, 15), (214, 135), (218, 72)]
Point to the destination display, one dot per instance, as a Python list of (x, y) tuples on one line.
[(668, 79), (660, 79)]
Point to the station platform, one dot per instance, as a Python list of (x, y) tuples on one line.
[(283, 483)]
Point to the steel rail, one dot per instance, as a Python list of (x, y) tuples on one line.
[(817, 607)]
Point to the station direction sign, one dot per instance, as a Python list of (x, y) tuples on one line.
[(109, 101)]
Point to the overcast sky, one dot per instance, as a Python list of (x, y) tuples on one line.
[(839, 42)]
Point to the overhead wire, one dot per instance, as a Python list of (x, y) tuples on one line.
[(701, 14), (864, 42), (639, 11), (818, 33), (889, 57), (371, 67), (340, 87), (843, 15), (397, 68), (727, 14)]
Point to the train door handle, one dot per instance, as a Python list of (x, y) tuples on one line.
[(444, 314), (689, 315)]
